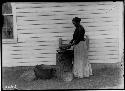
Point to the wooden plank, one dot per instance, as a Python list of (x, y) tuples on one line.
[(104, 55), (104, 33), (104, 61), (39, 35), (23, 41), (112, 57), (39, 40), (38, 43), (32, 34), (35, 26), (43, 49), (27, 64), (33, 18), (103, 37), (104, 49), (97, 56), (28, 27), (33, 4), (59, 10), (42, 34), (33, 45), (41, 22), (47, 30), (87, 27), (34, 59), (93, 52), (30, 17), (33, 53), (69, 16), (69, 9), (40, 4), (27, 56), (104, 23), (95, 16), (104, 44), (27, 36), (63, 6), (113, 40)]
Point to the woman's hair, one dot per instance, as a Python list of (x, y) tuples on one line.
[(76, 19)]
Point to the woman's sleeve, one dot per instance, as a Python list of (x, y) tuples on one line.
[(77, 39), (74, 38), (80, 35)]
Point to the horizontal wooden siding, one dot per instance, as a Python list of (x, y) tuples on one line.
[(40, 25)]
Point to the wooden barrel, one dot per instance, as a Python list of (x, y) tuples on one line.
[(64, 61)]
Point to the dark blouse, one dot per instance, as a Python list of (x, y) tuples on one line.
[(78, 35)]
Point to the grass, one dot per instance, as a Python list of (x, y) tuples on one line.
[(104, 77)]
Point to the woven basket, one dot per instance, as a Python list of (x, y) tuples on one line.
[(42, 72)]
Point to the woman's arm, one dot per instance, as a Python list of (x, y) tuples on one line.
[(71, 43), (76, 38)]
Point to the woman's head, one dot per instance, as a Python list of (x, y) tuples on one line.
[(76, 21)]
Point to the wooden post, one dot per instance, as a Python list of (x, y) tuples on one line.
[(60, 42)]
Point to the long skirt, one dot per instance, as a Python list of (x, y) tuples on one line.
[(81, 66)]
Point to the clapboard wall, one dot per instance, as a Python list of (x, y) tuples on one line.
[(41, 24)]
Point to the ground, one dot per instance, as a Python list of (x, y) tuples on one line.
[(104, 77)]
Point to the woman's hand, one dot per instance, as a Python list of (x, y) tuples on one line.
[(71, 41), (64, 47), (68, 46)]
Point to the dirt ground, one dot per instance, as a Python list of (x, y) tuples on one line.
[(105, 77)]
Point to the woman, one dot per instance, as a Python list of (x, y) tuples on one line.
[(81, 66)]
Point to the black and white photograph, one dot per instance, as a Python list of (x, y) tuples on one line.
[(62, 45)]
